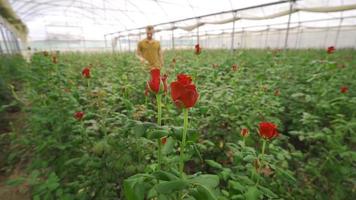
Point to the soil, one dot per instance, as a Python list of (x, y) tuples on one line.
[(22, 192)]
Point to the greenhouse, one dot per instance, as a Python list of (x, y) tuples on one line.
[(177, 100)]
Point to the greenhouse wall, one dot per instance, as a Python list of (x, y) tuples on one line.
[(9, 42)]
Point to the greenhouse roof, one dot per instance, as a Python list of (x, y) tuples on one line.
[(91, 19)]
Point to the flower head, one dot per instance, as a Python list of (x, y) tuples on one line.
[(268, 130), (157, 82), (164, 140), (344, 89), (244, 132), (79, 115), (86, 72), (330, 50), (197, 49), (184, 92)]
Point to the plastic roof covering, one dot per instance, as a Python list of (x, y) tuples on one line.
[(91, 19)]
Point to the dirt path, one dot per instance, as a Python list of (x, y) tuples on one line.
[(21, 192)]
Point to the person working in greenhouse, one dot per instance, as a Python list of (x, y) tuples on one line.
[(149, 51)]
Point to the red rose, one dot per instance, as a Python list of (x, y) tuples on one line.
[(164, 140), (86, 72), (184, 92), (197, 49), (268, 130), (344, 89), (234, 67), (330, 50), (244, 132), (79, 115), (154, 84)]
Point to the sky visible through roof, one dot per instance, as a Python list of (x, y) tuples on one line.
[(91, 19)]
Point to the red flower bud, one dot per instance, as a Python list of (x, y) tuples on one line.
[(234, 67), (184, 92), (79, 115), (330, 50), (197, 49), (344, 89), (86, 72), (154, 84), (268, 130), (244, 132), (164, 140)]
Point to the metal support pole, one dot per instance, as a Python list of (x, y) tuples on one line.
[(113, 44), (233, 34), (119, 43), (288, 25), (198, 32), (300, 38), (297, 36), (207, 40), (8, 39), (173, 39), (17, 44), (338, 31), (5, 41), (326, 37), (106, 42), (128, 39), (242, 38), (267, 31)]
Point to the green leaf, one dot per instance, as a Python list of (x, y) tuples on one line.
[(165, 176), (207, 180), (214, 164), (267, 192), (132, 190), (236, 186), (171, 186), (157, 134), (15, 182), (169, 146), (203, 193), (286, 174), (252, 193)]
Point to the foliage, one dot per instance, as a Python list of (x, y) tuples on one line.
[(111, 152)]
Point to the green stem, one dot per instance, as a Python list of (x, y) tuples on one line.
[(263, 147), (260, 159), (159, 122), (184, 138)]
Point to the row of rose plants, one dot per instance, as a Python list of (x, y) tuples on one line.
[(117, 133)]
